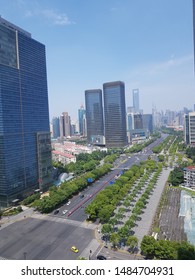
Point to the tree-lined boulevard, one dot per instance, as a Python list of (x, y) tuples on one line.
[(130, 191)]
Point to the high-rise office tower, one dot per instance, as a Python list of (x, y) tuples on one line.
[(130, 121), (25, 145), (115, 114), (56, 127), (94, 116), (138, 121), (81, 114), (136, 100), (65, 125), (148, 122)]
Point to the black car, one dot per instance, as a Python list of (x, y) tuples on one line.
[(56, 211), (101, 257)]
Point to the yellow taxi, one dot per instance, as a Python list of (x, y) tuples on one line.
[(74, 249)]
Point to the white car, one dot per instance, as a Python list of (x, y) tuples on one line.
[(64, 212), (68, 203)]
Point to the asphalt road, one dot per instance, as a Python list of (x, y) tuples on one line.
[(39, 239), (51, 236), (76, 208)]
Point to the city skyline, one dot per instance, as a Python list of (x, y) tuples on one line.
[(94, 43)]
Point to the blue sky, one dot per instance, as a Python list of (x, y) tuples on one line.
[(148, 44)]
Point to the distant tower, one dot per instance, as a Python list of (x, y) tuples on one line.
[(148, 122), (56, 127), (65, 125), (136, 100), (81, 113), (115, 114), (130, 121), (138, 121), (94, 115)]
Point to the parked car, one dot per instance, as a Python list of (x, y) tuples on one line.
[(56, 211), (101, 257)]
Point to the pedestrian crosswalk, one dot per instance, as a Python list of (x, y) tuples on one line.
[(63, 220)]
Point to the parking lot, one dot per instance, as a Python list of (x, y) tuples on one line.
[(170, 223)]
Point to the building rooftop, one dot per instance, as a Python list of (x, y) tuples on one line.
[(63, 154), (190, 168), (13, 26)]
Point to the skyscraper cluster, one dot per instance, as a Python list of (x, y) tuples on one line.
[(106, 115)]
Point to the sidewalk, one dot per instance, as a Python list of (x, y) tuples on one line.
[(7, 220)]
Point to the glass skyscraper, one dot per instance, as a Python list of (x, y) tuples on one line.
[(148, 122), (136, 100), (56, 127), (115, 114), (25, 145), (94, 116), (81, 117)]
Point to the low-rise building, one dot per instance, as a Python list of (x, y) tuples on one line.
[(64, 158), (189, 177)]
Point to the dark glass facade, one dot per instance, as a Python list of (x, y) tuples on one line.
[(115, 114), (81, 115), (94, 114), (138, 121), (56, 127), (148, 122), (23, 115)]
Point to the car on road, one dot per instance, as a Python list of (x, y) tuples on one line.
[(74, 249), (101, 257), (56, 211), (64, 212), (82, 195), (68, 203)]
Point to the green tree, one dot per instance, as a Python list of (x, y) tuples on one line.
[(176, 176), (132, 242), (130, 223), (161, 158), (113, 222), (107, 230), (186, 251), (165, 250), (114, 238), (148, 244), (123, 232), (105, 213)]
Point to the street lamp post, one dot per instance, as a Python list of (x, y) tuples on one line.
[(24, 255)]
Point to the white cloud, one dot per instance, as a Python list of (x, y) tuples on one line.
[(171, 63), (168, 69), (54, 17)]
